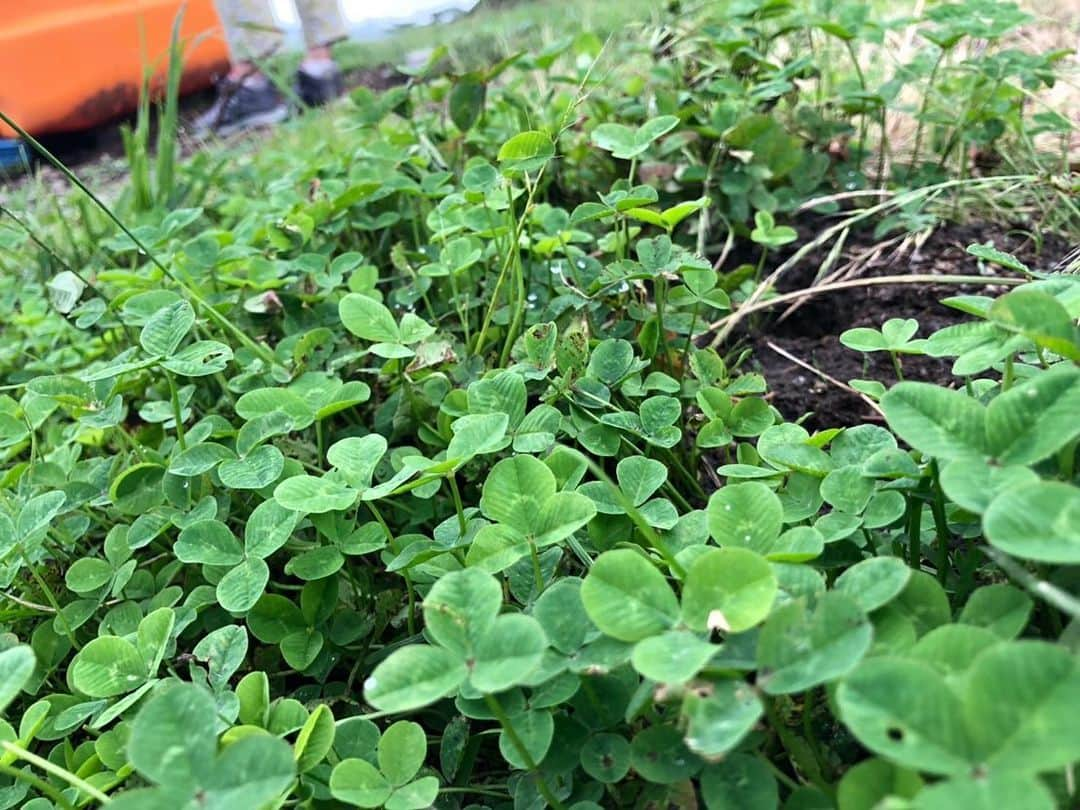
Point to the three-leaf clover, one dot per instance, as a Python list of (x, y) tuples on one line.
[(625, 142), (386, 777), (174, 745)]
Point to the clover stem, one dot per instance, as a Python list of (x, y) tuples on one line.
[(897, 368), (50, 597), (796, 748), (411, 595), (922, 112), (462, 312), (809, 703), (408, 580), (651, 537), (538, 572), (914, 527), (174, 398), (863, 125), (518, 307), (511, 248), (1007, 375), (760, 264), (530, 764), (690, 335), (661, 299), (790, 783), (458, 506), (38, 784), (57, 771), (941, 523)]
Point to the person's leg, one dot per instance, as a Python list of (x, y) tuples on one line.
[(323, 25), (246, 97), (250, 31), (319, 80)]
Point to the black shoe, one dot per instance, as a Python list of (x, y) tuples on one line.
[(242, 105), (319, 87)]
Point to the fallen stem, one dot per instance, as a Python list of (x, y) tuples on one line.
[(829, 379), (927, 192), (726, 323)]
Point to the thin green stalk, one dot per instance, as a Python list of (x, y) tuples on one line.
[(462, 311), (65, 226), (654, 540), (898, 370), (512, 250), (795, 747), (690, 335), (458, 505), (523, 292), (410, 594), (518, 307), (760, 264), (538, 571), (50, 597), (922, 110), (55, 770), (320, 440), (38, 784), (883, 147), (941, 523), (203, 305), (957, 134), (54, 256), (782, 777), (1048, 592), (864, 122), (167, 125), (504, 721), (809, 702), (178, 412), (660, 289), (914, 531)]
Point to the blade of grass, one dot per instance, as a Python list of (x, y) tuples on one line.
[(170, 115), (201, 303)]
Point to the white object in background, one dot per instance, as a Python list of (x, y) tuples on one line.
[(384, 14)]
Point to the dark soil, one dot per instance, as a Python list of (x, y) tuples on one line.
[(811, 333)]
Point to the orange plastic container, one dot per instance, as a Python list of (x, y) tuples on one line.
[(66, 65)]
